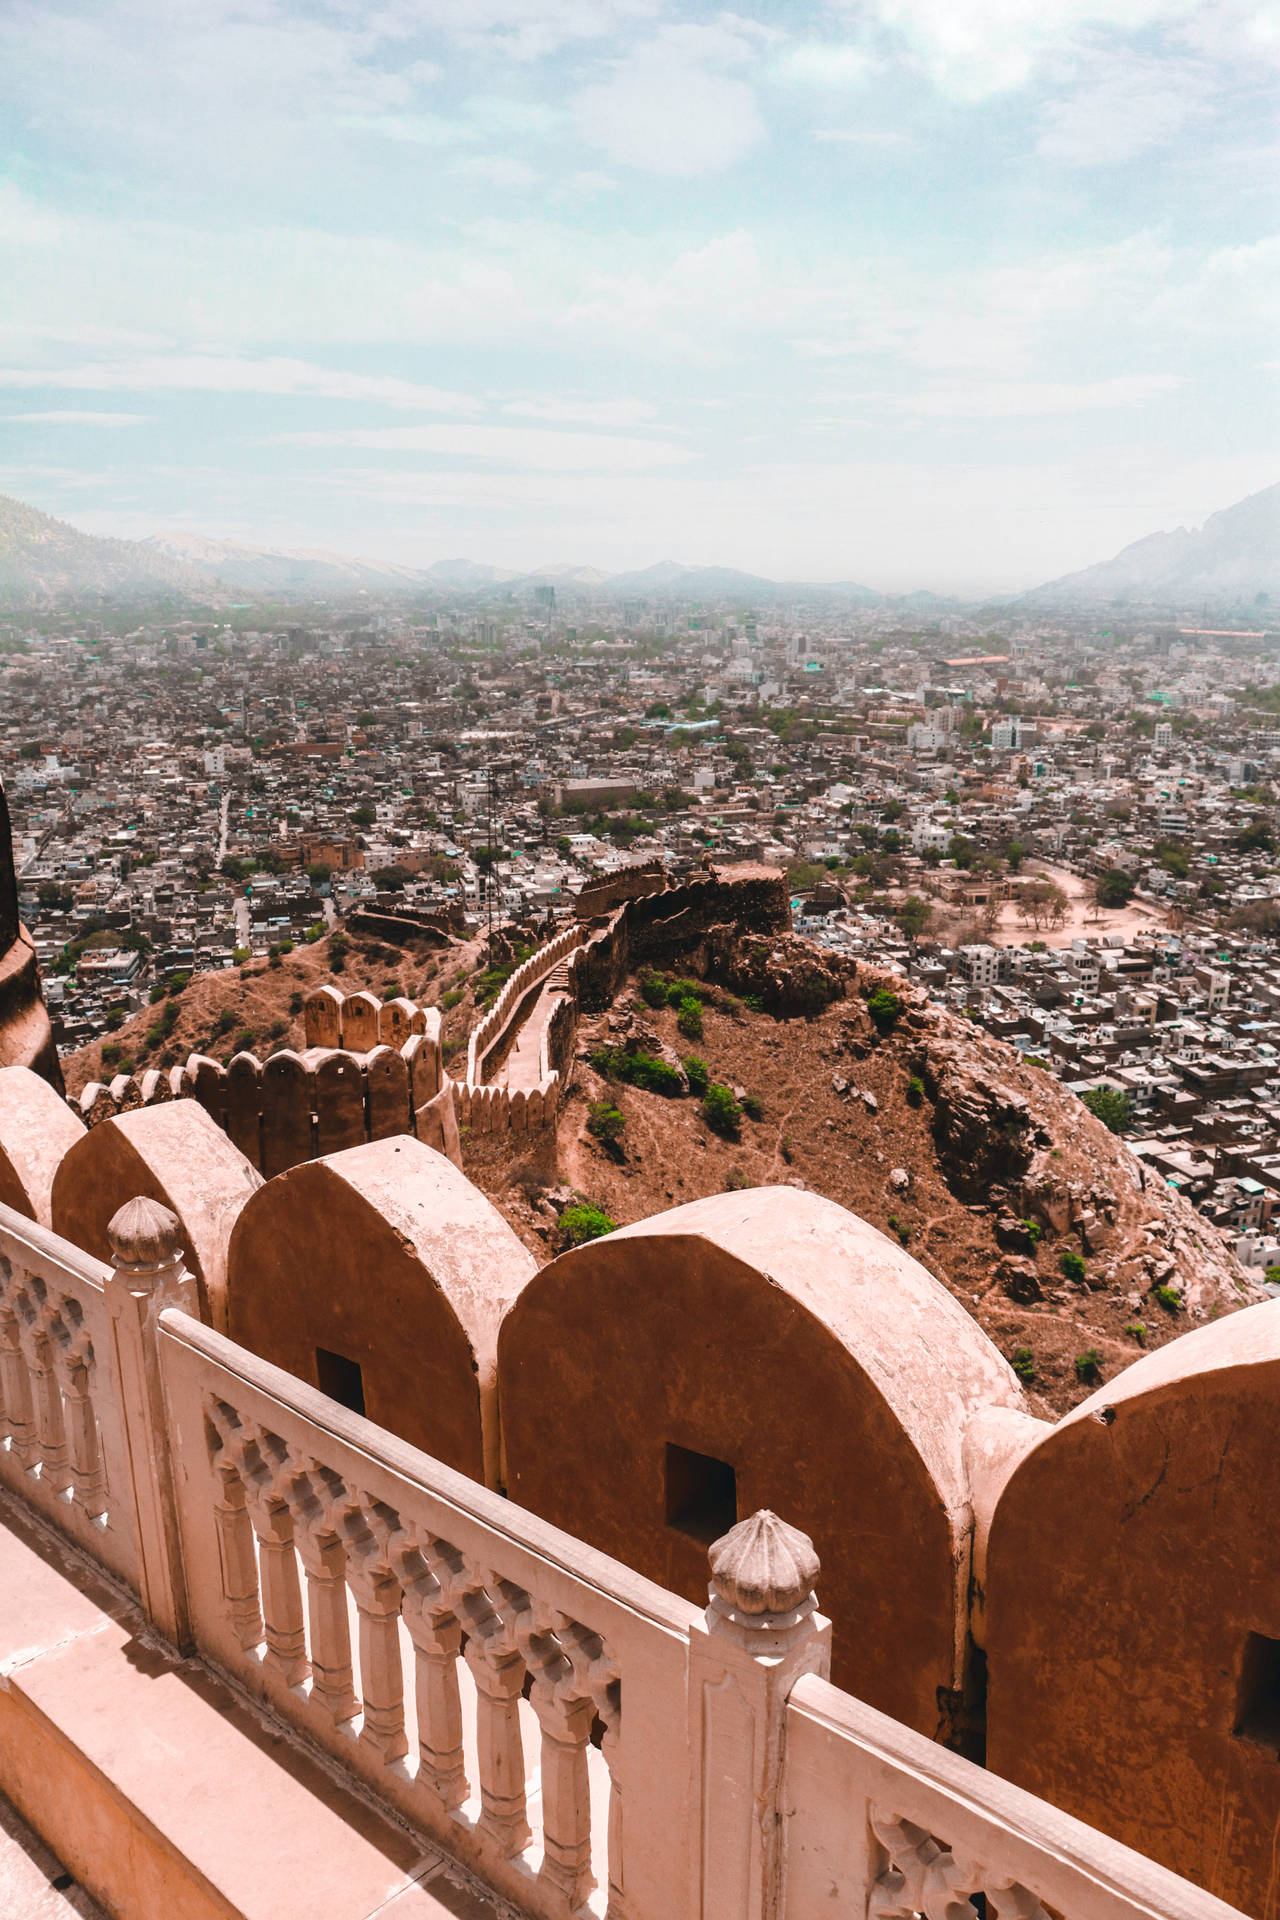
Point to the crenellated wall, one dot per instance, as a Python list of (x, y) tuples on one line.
[(487, 1034)]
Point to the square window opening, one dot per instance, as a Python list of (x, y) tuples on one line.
[(340, 1378), (701, 1494), (1258, 1710)]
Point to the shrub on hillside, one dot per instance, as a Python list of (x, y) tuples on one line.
[(582, 1222), (638, 1070), (884, 1006), (1071, 1264), (606, 1122), (689, 1019), (698, 1074), (721, 1111)]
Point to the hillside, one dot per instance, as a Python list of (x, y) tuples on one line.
[(1229, 561), (43, 560), (992, 1141), (955, 1164)]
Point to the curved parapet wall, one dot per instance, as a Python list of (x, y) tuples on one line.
[(384, 1266), (173, 1154), (37, 1127), (356, 1022), (765, 1349), (293, 1107), (1132, 1579)]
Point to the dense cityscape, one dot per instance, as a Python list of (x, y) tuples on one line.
[(1064, 828)]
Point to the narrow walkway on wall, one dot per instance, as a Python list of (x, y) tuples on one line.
[(521, 1070)]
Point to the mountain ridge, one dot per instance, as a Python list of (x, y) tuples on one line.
[(1232, 561), (1233, 558)]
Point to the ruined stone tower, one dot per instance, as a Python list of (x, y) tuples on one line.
[(26, 1038)]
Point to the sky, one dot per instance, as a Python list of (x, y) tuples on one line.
[(953, 294)]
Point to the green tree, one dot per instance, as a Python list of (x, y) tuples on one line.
[(915, 916), (1111, 1107), (1114, 887), (884, 1006)]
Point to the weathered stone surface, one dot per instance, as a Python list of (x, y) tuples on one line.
[(174, 1154), (1131, 1614), (37, 1128), (825, 1414), (389, 1258)]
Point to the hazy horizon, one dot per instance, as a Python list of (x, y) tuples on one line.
[(897, 292)]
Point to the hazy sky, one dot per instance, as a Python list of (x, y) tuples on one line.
[(946, 293)]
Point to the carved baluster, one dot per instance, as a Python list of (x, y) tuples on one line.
[(377, 1595), (17, 1391), (281, 1594), (239, 1561), (84, 1456), (441, 1770), (46, 1395), (609, 1706), (566, 1792), (498, 1670), (324, 1559)]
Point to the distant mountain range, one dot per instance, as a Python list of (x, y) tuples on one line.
[(1232, 560)]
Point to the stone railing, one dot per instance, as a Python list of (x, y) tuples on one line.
[(885, 1822), (585, 1742), (74, 1412), (489, 1031)]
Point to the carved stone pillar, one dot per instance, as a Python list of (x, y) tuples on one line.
[(146, 1248), (760, 1633)]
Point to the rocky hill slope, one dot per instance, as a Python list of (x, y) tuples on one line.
[(986, 1168), (935, 1132), (43, 560), (1232, 559)]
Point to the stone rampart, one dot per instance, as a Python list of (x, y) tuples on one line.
[(489, 1031), (292, 1106), (630, 883)]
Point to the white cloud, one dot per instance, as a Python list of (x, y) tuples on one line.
[(1018, 399), (666, 110), (72, 419), (513, 447), (583, 413), (498, 170), (227, 373), (1122, 106), (973, 49), (832, 64)]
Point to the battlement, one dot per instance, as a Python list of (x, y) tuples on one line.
[(500, 1708)]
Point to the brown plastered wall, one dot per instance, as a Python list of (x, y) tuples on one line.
[(646, 1338), (1131, 1554), (37, 1128), (174, 1154), (386, 1255)]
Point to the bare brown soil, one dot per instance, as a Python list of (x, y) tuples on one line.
[(812, 1135), (265, 999)]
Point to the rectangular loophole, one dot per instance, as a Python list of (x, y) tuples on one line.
[(1258, 1708), (701, 1494), (340, 1378)]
